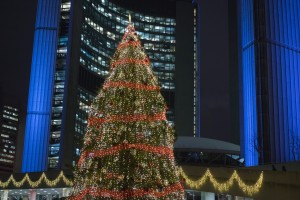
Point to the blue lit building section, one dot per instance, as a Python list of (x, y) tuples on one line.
[(41, 87), (283, 48), (270, 84), (249, 114)]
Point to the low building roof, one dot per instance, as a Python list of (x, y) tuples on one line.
[(205, 144)]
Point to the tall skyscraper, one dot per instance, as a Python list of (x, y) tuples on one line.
[(74, 41), (270, 42), (8, 136)]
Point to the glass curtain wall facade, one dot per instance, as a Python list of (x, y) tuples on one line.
[(59, 84), (65, 63), (103, 25), (8, 137), (270, 80)]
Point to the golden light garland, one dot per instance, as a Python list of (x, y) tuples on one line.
[(34, 184), (197, 184), (116, 149), (225, 186), (138, 86)]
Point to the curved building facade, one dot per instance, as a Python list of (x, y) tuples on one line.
[(102, 27), (74, 42)]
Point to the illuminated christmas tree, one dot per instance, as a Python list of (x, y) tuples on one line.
[(128, 146)]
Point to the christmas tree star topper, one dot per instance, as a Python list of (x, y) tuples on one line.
[(129, 18)]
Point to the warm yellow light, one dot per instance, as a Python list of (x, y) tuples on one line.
[(224, 187), (197, 184), (34, 184)]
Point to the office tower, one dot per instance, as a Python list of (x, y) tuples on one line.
[(217, 69), (73, 44), (8, 136), (270, 80)]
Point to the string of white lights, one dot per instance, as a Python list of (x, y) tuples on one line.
[(34, 184), (224, 186), (197, 184)]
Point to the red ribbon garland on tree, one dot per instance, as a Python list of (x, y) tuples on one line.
[(94, 120), (130, 43), (139, 86), (162, 150), (130, 61)]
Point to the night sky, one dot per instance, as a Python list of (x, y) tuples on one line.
[(17, 20)]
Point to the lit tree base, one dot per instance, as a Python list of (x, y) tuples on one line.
[(170, 193)]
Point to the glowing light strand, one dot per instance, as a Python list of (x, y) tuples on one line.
[(126, 118), (225, 186), (166, 151), (34, 184), (98, 192), (138, 86), (197, 184)]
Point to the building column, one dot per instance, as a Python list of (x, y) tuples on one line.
[(32, 194), (207, 196), (242, 198), (38, 119), (66, 192), (4, 194), (229, 197)]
